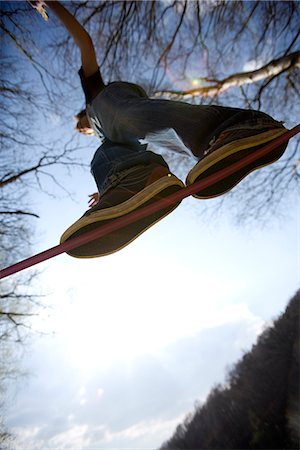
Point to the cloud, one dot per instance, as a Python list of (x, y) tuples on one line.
[(142, 431), (33, 438)]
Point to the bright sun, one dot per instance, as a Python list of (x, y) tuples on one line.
[(101, 321), (127, 304)]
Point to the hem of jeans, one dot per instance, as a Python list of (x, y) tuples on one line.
[(113, 179), (255, 124)]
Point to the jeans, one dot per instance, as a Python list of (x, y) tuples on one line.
[(111, 161), (196, 125)]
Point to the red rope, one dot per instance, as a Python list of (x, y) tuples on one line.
[(147, 210)]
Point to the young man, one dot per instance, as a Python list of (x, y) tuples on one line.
[(129, 176)]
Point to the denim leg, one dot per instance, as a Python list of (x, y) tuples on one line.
[(196, 125), (111, 161)]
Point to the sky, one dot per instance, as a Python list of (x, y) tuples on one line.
[(133, 339), (129, 342)]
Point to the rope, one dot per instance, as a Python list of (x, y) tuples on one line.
[(147, 210)]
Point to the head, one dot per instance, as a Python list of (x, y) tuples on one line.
[(83, 125)]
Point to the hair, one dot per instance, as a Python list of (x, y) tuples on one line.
[(81, 114)]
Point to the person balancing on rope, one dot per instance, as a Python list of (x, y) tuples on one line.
[(128, 175)]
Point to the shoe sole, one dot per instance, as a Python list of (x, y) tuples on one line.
[(228, 155), (118, 239)]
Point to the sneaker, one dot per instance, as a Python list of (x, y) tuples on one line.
[(233, 145), (140, 187)]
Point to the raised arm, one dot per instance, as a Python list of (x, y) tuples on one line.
[(80, 36)]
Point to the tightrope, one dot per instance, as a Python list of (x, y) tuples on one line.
[(147, 210)]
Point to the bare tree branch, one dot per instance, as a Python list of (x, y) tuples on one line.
[(18, 212), (269, 70)]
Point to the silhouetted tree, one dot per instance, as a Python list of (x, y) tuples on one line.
[(28, 158), (18, 303), (258, 407)]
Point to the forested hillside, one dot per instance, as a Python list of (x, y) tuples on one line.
[(258, 407)]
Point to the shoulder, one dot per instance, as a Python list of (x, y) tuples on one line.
[(125, 88), (91, 85)]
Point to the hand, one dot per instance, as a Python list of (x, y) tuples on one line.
[(39, 5), (94, 199), (35, 3), (80, 35)]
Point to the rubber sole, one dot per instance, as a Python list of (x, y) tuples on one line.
[(228, 155), (118, 239)]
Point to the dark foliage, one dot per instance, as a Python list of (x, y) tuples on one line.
[(259, 405)]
